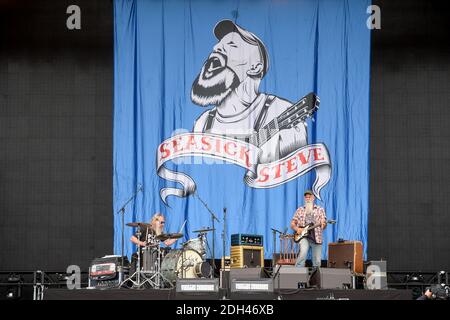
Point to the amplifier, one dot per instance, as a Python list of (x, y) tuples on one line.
[(106, 272), (346, 254), (247, 257), (240, 239)]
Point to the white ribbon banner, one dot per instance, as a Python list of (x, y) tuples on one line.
[(246, 155)]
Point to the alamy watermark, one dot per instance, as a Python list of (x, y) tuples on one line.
[(374, 20), (73, 22)]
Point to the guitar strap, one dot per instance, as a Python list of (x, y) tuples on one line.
[(262, 115), (210, 120)]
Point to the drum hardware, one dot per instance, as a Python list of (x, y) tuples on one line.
[(198, 244), (203, 230), (149, 271), (167, 236), (139, 224), (184, 264), (155, 270)]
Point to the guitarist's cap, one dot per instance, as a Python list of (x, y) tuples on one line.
[(308, 192), (224, 27)]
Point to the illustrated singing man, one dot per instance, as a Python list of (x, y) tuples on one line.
[(229, 82)]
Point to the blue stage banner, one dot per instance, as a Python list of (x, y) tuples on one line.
[(241, 106)]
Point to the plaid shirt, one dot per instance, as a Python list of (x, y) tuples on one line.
[(319, 216)]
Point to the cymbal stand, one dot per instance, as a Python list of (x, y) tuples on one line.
[(139, 273), (122, 212), (157, 280)]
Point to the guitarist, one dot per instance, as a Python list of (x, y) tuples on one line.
[(310, 214)]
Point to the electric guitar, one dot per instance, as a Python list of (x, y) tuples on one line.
[(307, 229), (295, 114)]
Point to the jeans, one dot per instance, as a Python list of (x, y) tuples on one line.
[(316, 253)]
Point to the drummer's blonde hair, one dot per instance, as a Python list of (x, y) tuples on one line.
[(155, 217)]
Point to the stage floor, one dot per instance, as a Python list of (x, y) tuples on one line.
[(171, 294)]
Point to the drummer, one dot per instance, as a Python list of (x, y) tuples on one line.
[(148, 232)]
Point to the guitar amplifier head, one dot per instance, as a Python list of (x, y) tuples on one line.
[(240, 239), (106, 271)]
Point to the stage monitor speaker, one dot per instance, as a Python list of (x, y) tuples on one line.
[(376, 275), (252, 285), (331, 278), (346, 254), (194, 289), (290, 277), (197, 285), (246, 273)]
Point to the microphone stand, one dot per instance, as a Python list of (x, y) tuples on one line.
[(274, 231), (122, 211), (213, 217), (224, 235)]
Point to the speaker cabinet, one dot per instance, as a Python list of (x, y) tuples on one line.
[(247, 257), (246, 273), (347, 254), (327, 278), (290, 277)]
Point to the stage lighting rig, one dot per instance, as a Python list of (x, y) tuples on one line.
[(14, 288)]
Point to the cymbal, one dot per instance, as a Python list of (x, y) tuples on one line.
[(166, 236), (138, 224), (204, 230)]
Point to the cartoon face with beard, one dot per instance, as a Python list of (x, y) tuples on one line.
[(237, 56), (215, 81)]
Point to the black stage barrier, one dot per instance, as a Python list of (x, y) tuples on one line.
[(171, 294)]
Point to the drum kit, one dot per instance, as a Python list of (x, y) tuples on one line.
[(157, 267)]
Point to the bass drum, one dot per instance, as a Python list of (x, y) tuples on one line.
[(181, 264)]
